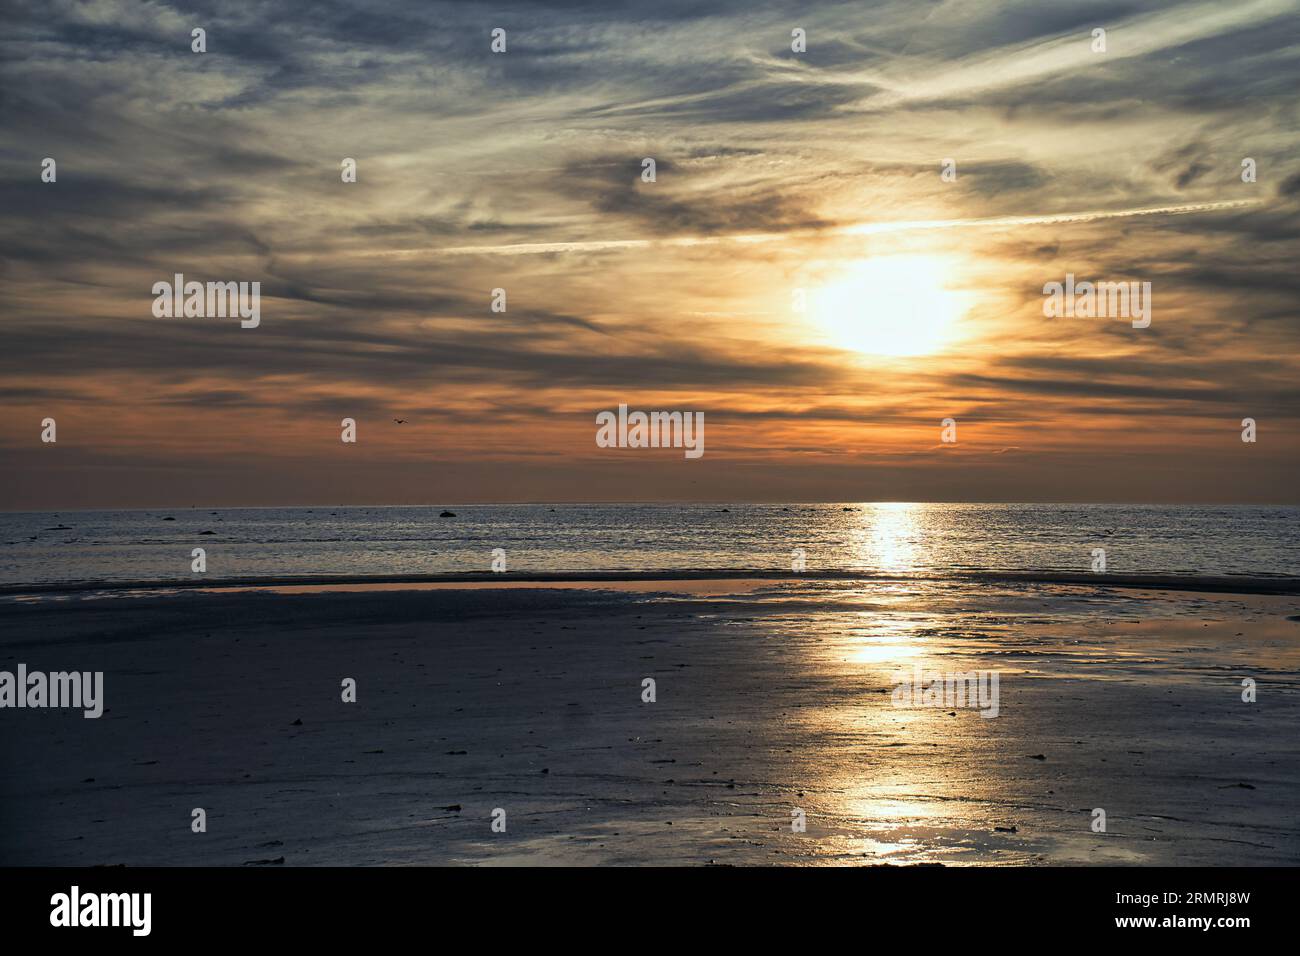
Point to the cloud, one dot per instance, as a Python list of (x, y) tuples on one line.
[(521, 171)]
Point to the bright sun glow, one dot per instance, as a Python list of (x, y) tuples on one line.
[(889, 305)]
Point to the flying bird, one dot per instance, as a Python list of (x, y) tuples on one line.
[(400, 421)]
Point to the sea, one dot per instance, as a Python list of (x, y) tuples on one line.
[(877, 538)]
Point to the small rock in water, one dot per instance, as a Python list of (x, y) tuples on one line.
[(447, 514)]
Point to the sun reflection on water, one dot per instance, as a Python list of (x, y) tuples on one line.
[(887, 537), (901, 784)]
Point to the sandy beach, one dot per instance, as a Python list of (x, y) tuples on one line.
[(771, 697)]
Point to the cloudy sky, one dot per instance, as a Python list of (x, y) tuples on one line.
[(799, 270)]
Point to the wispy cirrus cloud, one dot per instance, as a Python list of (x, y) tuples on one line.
[(521, 171)]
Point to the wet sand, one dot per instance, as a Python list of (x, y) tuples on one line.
[(771, 697)]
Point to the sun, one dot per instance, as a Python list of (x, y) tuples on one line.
[(889, 305)]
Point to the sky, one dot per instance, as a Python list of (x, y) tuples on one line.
[(841, 248)]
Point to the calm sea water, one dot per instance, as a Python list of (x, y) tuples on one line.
[(264, 542)]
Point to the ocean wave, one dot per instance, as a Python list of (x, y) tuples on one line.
[(1229, 584)]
